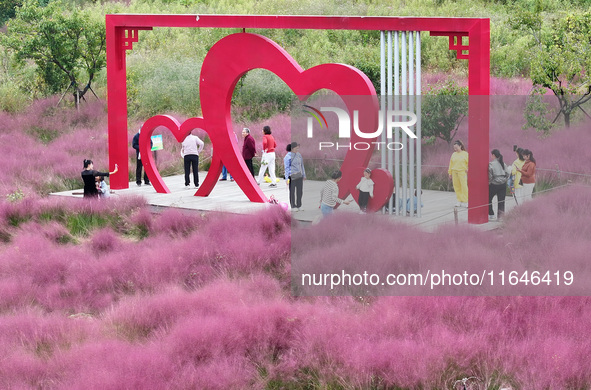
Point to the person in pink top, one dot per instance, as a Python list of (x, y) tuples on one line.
[(268, 159)]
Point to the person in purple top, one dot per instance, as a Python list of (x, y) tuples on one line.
[(248, 149)]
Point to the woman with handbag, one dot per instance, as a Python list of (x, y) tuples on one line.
[(497, 183), (295, 173)]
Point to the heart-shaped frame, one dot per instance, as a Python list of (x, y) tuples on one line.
[(219, 77), (233, 56)]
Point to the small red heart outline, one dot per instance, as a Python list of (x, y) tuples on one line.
[(179, 131)]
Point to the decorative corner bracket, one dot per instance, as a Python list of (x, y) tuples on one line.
[(456, 43), (126, 37)]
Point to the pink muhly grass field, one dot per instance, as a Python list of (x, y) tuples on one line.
[(109, 295), (205, 303)]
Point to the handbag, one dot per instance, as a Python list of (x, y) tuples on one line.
[(296, 176)]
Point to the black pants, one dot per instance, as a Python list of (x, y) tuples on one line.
[(250, 167), (363, 200), (296, 187), (138, 173), (191, 161), (500, 191)]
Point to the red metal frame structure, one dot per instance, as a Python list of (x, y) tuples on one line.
[(123, 29)]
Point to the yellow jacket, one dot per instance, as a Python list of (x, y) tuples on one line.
[(517, 164), (458, 162)]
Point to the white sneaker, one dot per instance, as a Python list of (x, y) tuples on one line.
[(491, 218), (458, 204), (300, 209), (465, 205)]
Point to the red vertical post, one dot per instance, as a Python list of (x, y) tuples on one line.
[(478, 121), (117, 104)]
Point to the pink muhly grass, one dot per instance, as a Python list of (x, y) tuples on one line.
[(142, 219), (109, 364), (104, 241), (175, 222), (247, 243)]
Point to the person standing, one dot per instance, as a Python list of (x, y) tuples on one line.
[(138, 158), (497, 183), (89, 178), (458, 172), (528, 174), (190, 149), (329, 196), (365, 188), (268, 158), (248, 149), (518, 164), (297, 174)]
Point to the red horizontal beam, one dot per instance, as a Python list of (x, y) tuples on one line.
[(385, 23)]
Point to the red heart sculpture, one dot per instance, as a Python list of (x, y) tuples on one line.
[(179, 131), (226, 62), (233, 56)]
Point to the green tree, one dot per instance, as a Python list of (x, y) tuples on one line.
[(561, 62), (442, 111), (67, 45), (7, 9)]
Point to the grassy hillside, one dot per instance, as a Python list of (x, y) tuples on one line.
[(164, 65)]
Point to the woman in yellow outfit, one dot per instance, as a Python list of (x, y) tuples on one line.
[(458, 172)]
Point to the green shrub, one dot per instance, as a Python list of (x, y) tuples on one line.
[(12, 98), (162, 84)]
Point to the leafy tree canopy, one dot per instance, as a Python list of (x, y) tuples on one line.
[(443, 110), (561, 62), (67, 45)]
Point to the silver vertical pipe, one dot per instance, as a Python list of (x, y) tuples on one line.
[(418, 128), (383, 89), (404, 96), (385, 116), (397, 130), (411, 107)]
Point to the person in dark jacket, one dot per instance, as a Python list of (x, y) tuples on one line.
[(497, 183), (248, 149), (89, 175), (138, 167)]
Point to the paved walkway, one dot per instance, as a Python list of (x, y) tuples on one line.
[(438, 206)]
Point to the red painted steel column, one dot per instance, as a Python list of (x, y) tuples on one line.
[(478, 121), (117, 106)]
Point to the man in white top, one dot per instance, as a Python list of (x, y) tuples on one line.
[(191, 147)]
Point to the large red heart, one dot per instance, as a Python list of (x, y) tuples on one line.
[(233, 56)]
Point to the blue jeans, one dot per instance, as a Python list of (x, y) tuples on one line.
[(326, 210), (225, 173)]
